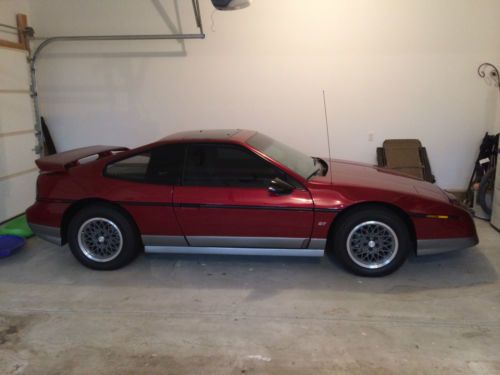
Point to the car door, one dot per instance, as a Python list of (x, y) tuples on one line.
[(224, 201)]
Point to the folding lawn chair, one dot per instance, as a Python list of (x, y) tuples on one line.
[(406, 156)]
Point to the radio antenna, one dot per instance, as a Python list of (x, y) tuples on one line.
[(328, 138)]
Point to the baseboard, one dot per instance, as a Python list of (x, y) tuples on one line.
[(12, 218), (459, 194)]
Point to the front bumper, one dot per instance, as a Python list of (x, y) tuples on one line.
[(51, 234), (441, 245)]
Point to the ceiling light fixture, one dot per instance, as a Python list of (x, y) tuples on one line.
[(231, 4)]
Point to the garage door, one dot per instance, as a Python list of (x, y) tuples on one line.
[(17, 140)]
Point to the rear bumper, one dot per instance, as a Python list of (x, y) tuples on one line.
[(51, 234), (441, 245), (45, 219)]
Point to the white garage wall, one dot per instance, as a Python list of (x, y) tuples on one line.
[(8, 11), (389, 67)]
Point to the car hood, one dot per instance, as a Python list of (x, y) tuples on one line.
[(352, 174)]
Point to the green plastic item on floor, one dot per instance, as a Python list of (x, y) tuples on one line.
[(17, 227)]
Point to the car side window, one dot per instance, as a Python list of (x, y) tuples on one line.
[(216, 164), (161, 165), (133, 168)]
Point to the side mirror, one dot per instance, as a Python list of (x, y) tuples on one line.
[(279, 187)]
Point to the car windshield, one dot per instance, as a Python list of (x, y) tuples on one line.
[(302, 164)]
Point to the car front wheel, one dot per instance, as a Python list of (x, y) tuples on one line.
[(102, 238), (372, 241)]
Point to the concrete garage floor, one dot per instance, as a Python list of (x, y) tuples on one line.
[(249, 315)]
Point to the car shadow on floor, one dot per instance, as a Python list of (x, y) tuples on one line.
[(42, 263)]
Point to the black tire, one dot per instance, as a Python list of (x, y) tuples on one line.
[(388, 225), (115, 226), (485, 192)]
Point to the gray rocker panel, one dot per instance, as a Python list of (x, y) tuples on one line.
[(273, 246), (254, 242), (233, 251), (236, 242)]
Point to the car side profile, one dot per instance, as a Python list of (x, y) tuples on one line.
[(239, 192)]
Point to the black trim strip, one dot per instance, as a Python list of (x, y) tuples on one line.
[(204, 205), (228, 206), (251, 207), (241, 207), (328, 209), (55, 200), (130, 203)]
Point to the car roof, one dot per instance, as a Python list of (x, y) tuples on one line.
[(236, 135)]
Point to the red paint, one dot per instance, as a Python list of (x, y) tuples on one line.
[(160, 213), (267, 218)]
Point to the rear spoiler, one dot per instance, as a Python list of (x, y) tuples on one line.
[(62, 161)]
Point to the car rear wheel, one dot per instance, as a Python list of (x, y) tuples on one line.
[(372, 241), (102, 238)]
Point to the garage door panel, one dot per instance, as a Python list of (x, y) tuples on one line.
[(14, 70), (16, 154), (16, 113), (17, 139), (16, 194)]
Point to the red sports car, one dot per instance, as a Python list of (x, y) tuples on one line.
[(239, 192)]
